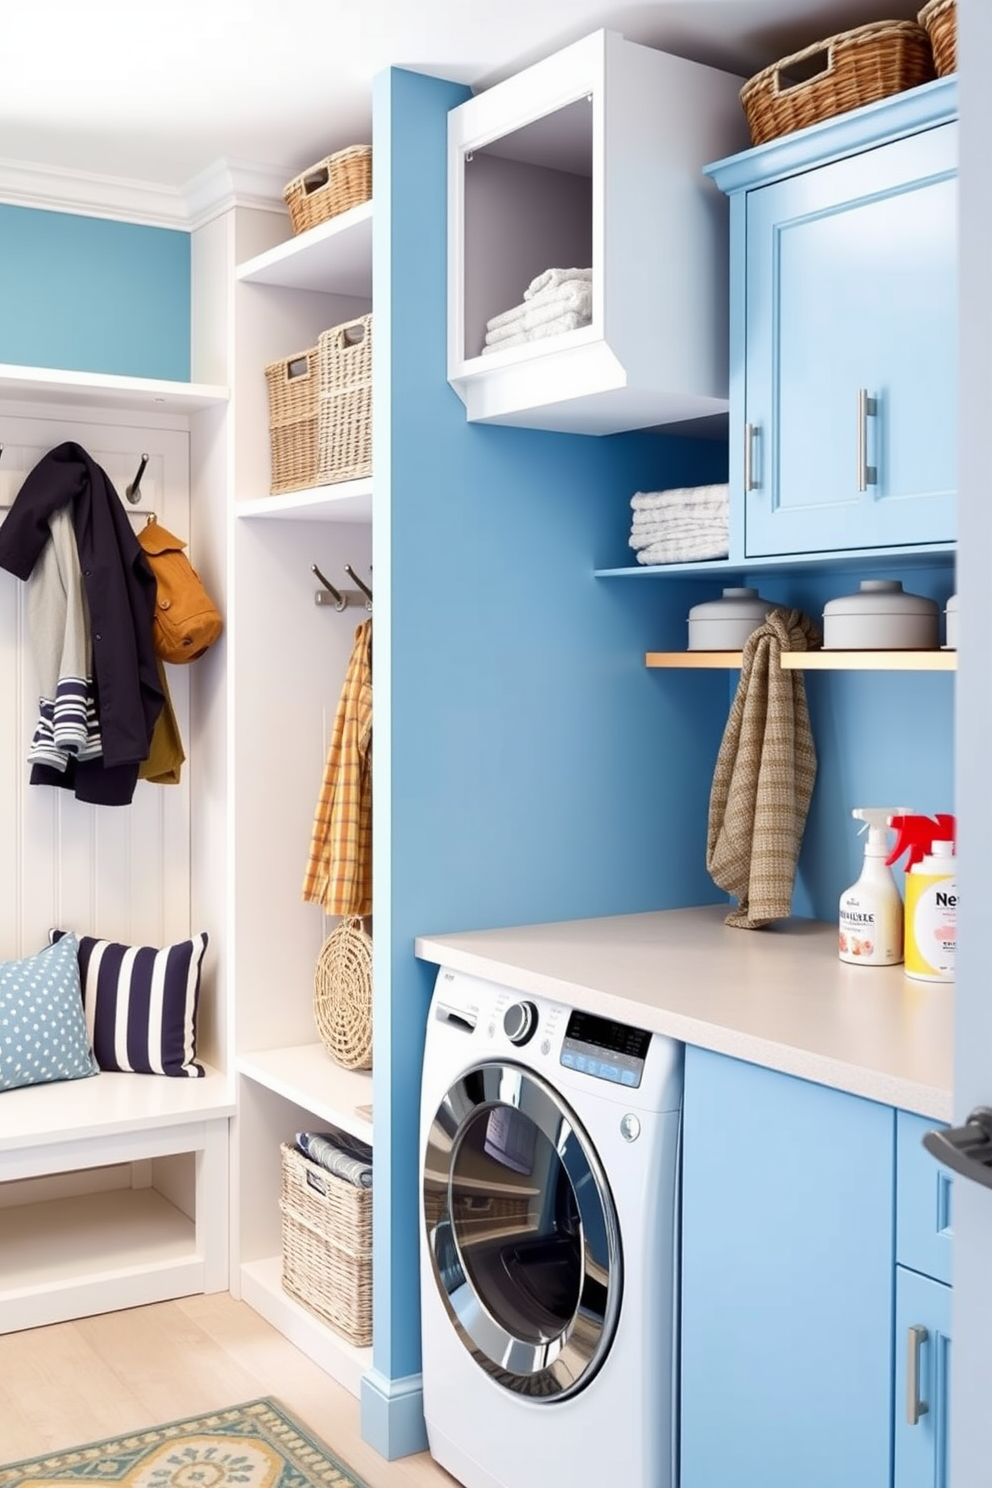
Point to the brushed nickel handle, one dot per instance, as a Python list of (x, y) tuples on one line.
[(750, 484), (916, 1337), (867, 408)]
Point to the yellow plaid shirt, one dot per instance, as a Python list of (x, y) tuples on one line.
[(339, 870)]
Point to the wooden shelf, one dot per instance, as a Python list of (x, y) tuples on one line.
[(307, 1075), (815, 661), (335, 256), (107, 390), (346, 501)]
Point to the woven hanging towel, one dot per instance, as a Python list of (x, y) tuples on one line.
[(764, 776)]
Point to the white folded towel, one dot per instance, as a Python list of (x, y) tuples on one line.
[(552, 277), (541, 315), (704, 512), (570, 320), (705, 532), (678, 497), (572, 295), (684, 550)]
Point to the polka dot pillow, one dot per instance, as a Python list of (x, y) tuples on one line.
[(42, 1027)]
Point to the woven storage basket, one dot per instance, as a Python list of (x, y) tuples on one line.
[(342, 995), (334, 185), (344, 412), (940, 19), (858, 67), (327, 1245), (293, 388)]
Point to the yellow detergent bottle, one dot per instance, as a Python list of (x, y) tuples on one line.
[(931, 934)]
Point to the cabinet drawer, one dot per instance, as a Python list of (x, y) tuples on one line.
[(923, 1201), (922, 1381)]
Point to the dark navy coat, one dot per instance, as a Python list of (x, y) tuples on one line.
[(120, 592)]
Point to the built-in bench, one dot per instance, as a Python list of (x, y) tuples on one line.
[(113, 1193)]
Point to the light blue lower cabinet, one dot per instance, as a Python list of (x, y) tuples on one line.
[(923, 1365), (787, 1282)]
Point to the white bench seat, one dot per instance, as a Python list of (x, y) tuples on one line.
[(69, 1248)]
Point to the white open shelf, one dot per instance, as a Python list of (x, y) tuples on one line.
[(347, 501), (307, 1075), (335, 256), (262, 1289), (592, 158), (107, 390)]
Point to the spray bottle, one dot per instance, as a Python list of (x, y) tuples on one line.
[(931, 894), (871, 913)]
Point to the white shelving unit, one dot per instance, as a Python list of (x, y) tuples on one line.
[(287, 661), (106, 391), (593, 158)]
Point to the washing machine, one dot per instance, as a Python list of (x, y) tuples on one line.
[(550, 1141)]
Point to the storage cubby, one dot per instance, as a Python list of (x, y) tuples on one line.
[(593, 158)]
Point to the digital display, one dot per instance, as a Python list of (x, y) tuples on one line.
[(604, 1033)]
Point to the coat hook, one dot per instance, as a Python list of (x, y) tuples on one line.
[(364, 587), (133, 490), (339, 600)]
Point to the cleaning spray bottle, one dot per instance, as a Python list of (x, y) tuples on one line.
[(871, 913), (931, 894)]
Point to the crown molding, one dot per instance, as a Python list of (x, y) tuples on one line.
[(225, 184)]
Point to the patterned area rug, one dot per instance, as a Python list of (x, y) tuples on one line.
[(256, 1445)]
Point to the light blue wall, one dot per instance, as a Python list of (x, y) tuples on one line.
[(528, 766), (88, 294)]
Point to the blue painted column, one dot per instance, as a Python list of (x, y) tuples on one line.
[(527, 766)]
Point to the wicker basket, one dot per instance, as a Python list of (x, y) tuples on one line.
[(293, 421), (857, 67), (342, 995), (327, 1245), (335, 184), (940, 20), (344, 412)]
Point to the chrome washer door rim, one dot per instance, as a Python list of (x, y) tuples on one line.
[(563, 1362)]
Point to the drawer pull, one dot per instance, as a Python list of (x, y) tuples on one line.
[(916, 1337), (867, 408), (750, 484)]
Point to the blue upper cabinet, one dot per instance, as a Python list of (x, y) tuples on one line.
[(843, 331)]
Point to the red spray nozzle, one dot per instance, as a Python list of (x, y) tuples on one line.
[(916, 835)]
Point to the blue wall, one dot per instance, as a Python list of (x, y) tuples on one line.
[(88, 294), (528, 766)]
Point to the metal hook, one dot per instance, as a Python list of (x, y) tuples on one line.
[(364, 587), (133, 489), (339, 600)]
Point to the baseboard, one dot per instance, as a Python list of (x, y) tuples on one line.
[(393, 1414)]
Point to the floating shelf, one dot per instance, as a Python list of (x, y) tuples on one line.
[(347, 501), (815, 661), (335, 256), (107, 390)]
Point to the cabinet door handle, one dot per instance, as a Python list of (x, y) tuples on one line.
[(867, 408), (750, 484), (916, 1337)]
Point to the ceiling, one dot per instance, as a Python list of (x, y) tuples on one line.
[(160, 92)]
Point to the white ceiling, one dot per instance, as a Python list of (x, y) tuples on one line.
[(158, 92)]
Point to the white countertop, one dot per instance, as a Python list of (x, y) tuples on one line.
[(779, 997)]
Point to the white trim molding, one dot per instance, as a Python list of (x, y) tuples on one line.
[(224, 184)]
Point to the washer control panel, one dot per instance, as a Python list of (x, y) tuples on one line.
[(605, 1049)]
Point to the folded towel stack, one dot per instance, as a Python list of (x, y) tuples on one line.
[(340, 1153), (684, 525), (556, 301)]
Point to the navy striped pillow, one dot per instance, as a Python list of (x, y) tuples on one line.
[(141, 1004)]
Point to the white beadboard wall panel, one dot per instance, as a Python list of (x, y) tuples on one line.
[(120, 872)]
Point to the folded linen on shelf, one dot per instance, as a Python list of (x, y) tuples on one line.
[(552, 277), (573, 295), (339, 1153), (569, 321), (680, 532), (685, 550), (691, 497)]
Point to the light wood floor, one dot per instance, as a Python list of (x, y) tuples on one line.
[(97, 1377)]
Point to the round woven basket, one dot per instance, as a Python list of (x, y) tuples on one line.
[(342, 995)]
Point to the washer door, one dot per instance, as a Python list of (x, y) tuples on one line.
[(522, 1232)]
